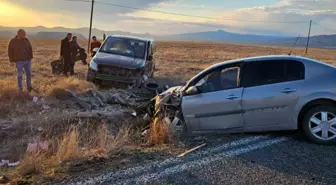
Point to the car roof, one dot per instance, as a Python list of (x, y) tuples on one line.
[(132, 37), (313, 64), (269, 57)]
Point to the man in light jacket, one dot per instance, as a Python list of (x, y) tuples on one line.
[(20, 53)]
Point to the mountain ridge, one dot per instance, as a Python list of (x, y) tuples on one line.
[(221, 36)]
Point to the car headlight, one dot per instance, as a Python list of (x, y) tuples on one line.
[(93, 65)]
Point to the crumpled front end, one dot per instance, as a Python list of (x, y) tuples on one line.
[(118, 74)]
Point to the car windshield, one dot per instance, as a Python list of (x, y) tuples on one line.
[(124, 46)]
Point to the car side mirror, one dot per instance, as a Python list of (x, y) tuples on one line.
[(95, 50), (192, 90), (150, 57)]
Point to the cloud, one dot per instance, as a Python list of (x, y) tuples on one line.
[(298, 13), (77, 7), (76, 14)]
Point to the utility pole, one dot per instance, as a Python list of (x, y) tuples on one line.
[(92, 4), (308, 36)]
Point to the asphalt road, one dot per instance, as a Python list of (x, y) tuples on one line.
[(273, 158)]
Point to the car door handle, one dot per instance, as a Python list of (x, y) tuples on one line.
[(288, 90), (232, 97)]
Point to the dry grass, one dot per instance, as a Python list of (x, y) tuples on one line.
[(73, 145), (182, 60), (68, 148), (158, 133), (45, 51)]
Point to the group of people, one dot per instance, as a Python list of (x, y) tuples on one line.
[(20, 54)]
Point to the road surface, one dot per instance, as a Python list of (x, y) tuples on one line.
[(273, 158)]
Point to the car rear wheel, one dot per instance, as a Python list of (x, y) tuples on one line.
[(319, 124)]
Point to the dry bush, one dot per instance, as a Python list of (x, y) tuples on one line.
[(75, 144), (9, 91), (158, 133), (68, 148), (57, 89), (99, 141), (32, 163)]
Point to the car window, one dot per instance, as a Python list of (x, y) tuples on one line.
[(295, 70), (271, 72), (224, 79), (125, 47)]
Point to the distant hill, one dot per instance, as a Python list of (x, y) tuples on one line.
[(319, 41), (224, 36), (7, 34), (56, 35), (32, 31)]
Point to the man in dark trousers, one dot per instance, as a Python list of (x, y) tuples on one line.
[(74, 49), (94, 44), (66, 54), (20, 53)]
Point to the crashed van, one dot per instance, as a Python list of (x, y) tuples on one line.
[(258, 94), (123, 60)]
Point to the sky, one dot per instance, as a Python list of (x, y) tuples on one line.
[(242, 16)]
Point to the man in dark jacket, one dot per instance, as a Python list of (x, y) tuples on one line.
[(66, 54), (94, 44), (74, 49), (20, 52)]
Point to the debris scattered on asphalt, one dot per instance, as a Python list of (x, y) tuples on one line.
[(33, 147), (40, 129), (134, 114), (144, 133), (146, 117), (46, 106), (7, 163), (35, 99), (191, 150), (4, 162), (17, 163), (116, 98)]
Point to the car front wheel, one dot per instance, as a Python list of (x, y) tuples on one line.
[(319, 124)]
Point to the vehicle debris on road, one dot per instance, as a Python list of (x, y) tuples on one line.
[(9, 164), (33, 147), (191, 150)]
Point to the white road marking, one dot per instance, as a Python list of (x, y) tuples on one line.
[(159, 164), (205, 161)]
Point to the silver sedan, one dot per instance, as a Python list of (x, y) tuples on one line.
[(260, 94)]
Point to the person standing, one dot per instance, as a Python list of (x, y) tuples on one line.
[(66, 54), (74, 49), (94, 44), (20, 53)]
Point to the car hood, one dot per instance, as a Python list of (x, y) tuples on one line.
[(118, 60)]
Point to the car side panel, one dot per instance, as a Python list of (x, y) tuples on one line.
[(267, 107), (322, 87), (213, 111)]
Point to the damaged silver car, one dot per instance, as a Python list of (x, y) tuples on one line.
[(123, 59), (259, 94)]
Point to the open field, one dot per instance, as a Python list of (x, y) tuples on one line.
[(176, 63), (175, 60)]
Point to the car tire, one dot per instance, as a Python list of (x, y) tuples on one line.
[(321, 114)]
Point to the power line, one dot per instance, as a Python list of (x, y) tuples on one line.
[(194, 16), (331, 30)]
